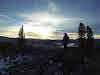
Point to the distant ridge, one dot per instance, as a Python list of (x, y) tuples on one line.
[(2, 38), (13, 40)]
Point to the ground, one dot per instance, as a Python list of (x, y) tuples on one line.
[(46, 61)]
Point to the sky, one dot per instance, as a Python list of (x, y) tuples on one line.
[(48, 19)]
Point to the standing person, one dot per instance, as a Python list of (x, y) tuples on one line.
[(65, 40)]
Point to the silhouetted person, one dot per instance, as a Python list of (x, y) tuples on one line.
[(65, 40)]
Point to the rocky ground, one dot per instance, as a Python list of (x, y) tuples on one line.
[(58, 61)]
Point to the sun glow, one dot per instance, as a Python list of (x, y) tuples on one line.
[(43, 32), (40, 26)]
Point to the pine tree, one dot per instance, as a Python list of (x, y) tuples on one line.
[(90, 38), (21, 38), (81, 33), (21, 33), (81, 30)]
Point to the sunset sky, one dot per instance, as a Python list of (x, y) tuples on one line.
[(48, 19)]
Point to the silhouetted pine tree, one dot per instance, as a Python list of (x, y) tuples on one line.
[(82, 37), (21, 38), (90, 38)]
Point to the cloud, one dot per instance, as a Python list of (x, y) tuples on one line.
[(52, 7), (97, 36), (9, 34), (13, 29), (45, 17), (7, 17), (5, 22), (44, 24)]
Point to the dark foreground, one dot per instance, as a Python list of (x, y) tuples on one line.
[(43, 61)]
